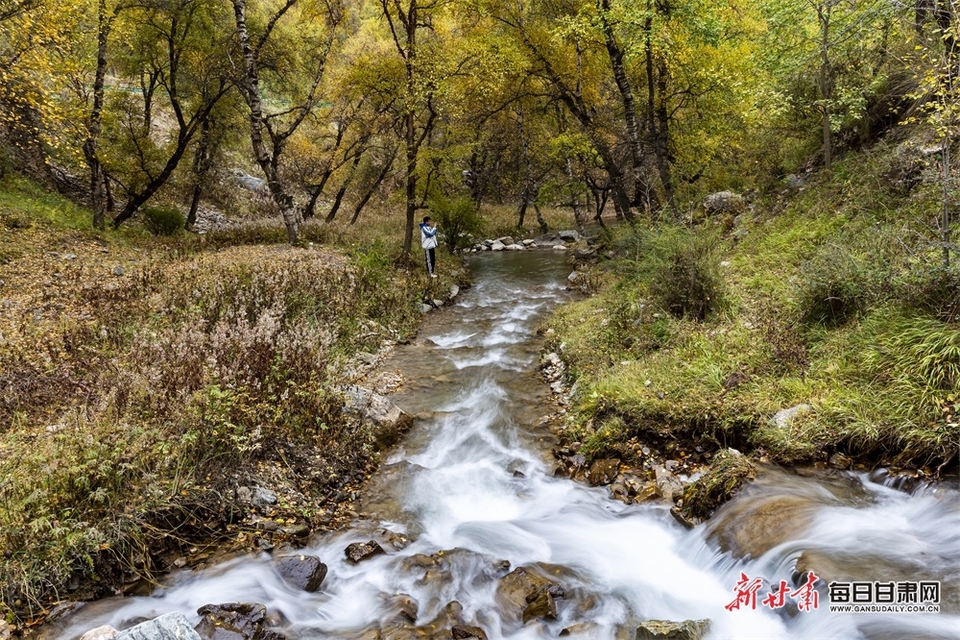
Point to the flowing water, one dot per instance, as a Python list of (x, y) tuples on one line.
[(472, 488)]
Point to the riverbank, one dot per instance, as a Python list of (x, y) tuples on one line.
[(814, 325), (166, 400)]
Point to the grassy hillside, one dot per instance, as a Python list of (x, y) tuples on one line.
[(830, 297), (143, 380)]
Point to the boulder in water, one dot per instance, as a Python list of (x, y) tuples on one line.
[(751, 528), (463, 631), (359, 551), (106, 632), (667, 483), (727, 473), (302, 572), (235, 621), (667, 630), (526, 595), (169, 626)]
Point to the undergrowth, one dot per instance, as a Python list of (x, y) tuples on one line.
[(129, 398), (832, 297)]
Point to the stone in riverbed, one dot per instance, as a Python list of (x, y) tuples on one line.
[(526, 595), (302, 572), (603, 471), (106, 632), (667, 630), (169, 626), (724, 479), (462, 632), (359, 551), (234, 621)]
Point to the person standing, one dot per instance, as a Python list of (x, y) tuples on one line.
[(428, 240)]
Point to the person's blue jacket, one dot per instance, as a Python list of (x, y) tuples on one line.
[(428, 236)]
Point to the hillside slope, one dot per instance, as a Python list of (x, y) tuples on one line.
[(827, 299)]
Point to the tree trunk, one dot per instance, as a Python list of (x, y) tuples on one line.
[(522, 209), (657, 116), (945, 221), (201, 167), (541, 221), (635, 144), (268, 162), (90, 145), (826, 90), (369, 194)]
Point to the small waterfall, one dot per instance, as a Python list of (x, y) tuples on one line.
[(473, 491)]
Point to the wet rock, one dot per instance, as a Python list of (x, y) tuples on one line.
[(527, 595), (582, 630), (376, 409), (840, 461), (603, 471), (667, 630), (462, 631), (667, 484), (396, 540), (406, 608), (106, 632), (166, 627), (542, 607), (569, 235), (425, 308), (683, 519), (302, 572), (234, 621), (439, 627), (723, 480), (359, 551), (618, 491), (515, 247), (751, 529)]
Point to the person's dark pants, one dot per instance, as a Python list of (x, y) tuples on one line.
[(431, 259)]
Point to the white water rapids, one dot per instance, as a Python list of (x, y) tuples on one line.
[(472, 481)]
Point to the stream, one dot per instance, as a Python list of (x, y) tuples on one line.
[(471, 487)]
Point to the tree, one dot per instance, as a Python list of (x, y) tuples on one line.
[(405, 19), (292, 49), (175, 52), (939, 63)]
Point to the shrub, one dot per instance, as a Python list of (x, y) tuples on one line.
[(934, 290), (458, 218), (683, 272), (833, 288), (163, 220)]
